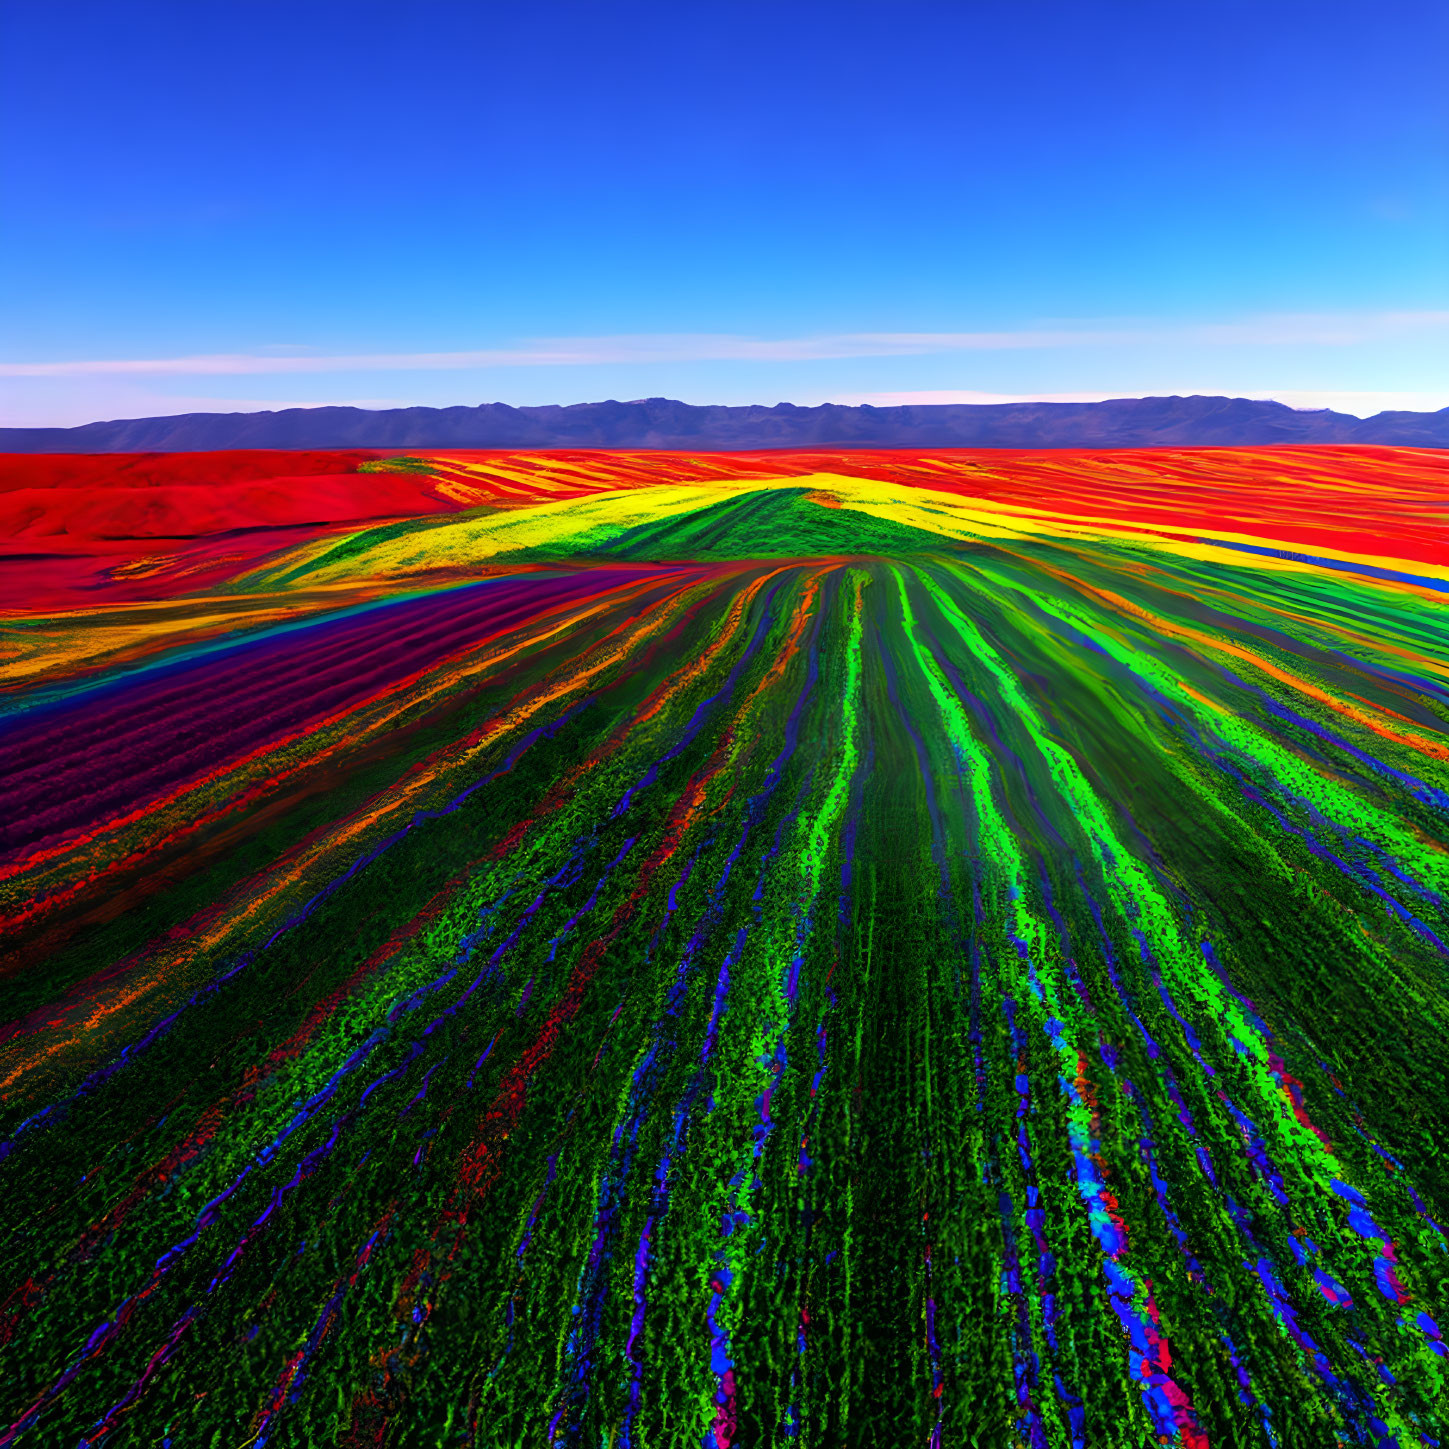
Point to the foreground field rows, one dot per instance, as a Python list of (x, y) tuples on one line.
[(643, 950)]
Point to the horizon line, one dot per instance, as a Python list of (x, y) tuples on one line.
[(875, 401)]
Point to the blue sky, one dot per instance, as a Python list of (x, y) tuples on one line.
[(241, 203)]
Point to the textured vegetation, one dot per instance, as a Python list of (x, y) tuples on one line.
[(651, 950)]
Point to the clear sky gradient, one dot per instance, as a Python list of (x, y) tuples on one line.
[(234, 204)]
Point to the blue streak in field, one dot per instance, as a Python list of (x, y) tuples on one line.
[(86, 692), (168, 1260), (1344, 566), (701, 714), (1390, 903), (754, 811), (129, 1054), (422, 817), (1415, 786), (649, 1071), (318, 1099)]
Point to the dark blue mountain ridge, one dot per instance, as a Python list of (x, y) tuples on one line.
[(662, 423)]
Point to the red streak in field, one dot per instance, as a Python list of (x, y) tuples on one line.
[(562, 792), (298, 735), (481, 1163)]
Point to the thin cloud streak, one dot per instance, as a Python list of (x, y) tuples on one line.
[(1298, 329)]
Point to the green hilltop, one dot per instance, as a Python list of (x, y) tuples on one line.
[(767, 523)]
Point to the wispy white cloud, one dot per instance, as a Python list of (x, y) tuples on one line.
[(1300, 329), (67, 405), (560, 352)]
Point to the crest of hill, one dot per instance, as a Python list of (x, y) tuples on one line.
[(662, 423), (768, 523)]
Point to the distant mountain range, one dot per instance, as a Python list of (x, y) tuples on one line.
[(660, 423)]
